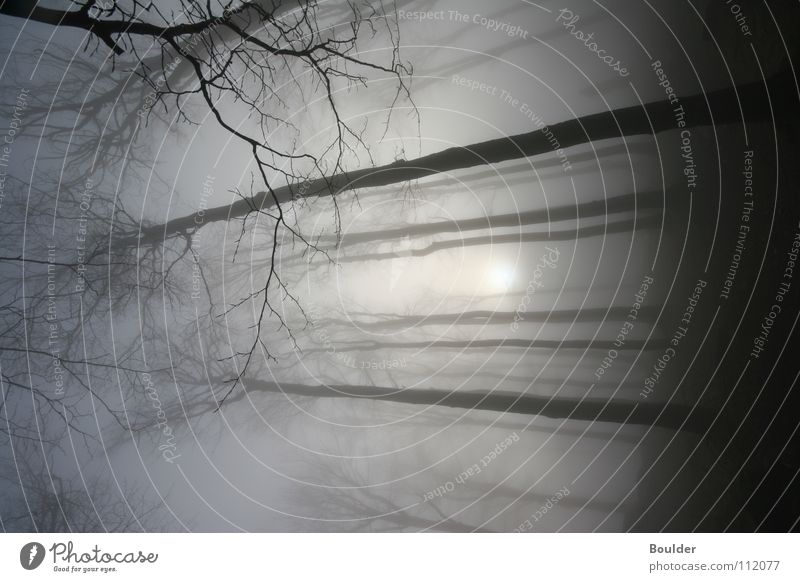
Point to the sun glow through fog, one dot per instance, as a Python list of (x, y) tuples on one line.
[(501, 277)]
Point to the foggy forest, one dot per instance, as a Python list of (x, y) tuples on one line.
[(398, 266)]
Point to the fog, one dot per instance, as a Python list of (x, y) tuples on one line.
[(467, 349)]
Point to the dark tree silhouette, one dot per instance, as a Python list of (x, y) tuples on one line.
[(260, 54), (643, 222), (243, 64), (385, 322), (627, 203), (717, 107), (34, 496), (671, 416)]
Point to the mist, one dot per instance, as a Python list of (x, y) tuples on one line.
[(409, 266)]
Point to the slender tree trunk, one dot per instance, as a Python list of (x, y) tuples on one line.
[(573, 234), (486, 317), (717, 107), (419, 524), (671, 416), (625, 203), (580, 344)]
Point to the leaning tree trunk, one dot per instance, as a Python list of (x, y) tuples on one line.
[(528, 344), (573, 234), (486, 317), (648, 200), (717, 107), (670, 416)]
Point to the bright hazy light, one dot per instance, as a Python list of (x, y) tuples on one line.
[(501, 277)]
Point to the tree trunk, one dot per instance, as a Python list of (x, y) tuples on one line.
[(671, 416), (486, 317), (603, 207), (717, 107), (528, 344), (638, 223)]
